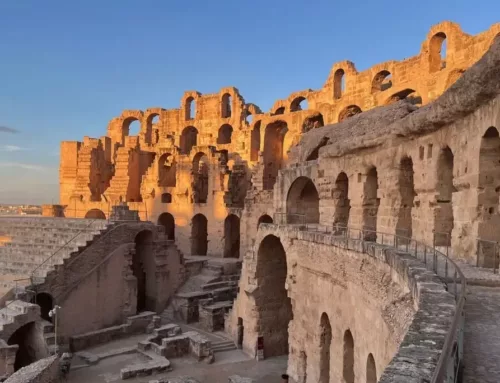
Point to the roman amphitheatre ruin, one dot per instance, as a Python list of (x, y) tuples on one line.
[(350, 234)]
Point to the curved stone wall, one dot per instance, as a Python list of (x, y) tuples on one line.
[(367, 301)]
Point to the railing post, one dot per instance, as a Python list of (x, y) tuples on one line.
[(425, 254)]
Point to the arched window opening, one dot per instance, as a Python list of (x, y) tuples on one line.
[(382, 81), (248, 117), (300, 103), (166, 171), (29, 339), (264, 219), (371, 203), (188, 139), (167, 220), (348, 112), (199, 235), (274, 138), (312, 122), (255, 142), (325, 344), (407, 195), (46, 303), (443, 225), (338, 83), (408, 94), (348, 365), (225, 133), (95, 214), (232, 236), (240, 333), (280, 110), (226, 106), (437, 52), (302, 203), (371, 370), (143, 268), (131, 127), (166, 198), (200, 178), (190, 109), (271, 273), (341, 201)]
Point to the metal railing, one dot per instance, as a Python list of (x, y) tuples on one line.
[(450, 360)]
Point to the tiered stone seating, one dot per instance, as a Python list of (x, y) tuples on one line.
[(29, 241)]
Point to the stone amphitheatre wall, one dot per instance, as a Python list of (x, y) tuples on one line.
[(197, 164)]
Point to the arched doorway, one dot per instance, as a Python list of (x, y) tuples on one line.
[(271, 297), (274, 138), (255, 142), (166, 171), (46, 303), (302, 203), (95, 214), (224, 135), (264, 219), (232, 236), (142, 266), (348, 363), (199, 235), (341, 201), (407, 194), (443, 224), (371, 203), (371, 369), (188, 139), (200, 178), (167, 220), (31, 344), (325, 343)]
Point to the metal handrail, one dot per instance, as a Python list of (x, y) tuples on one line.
[(451, 355)]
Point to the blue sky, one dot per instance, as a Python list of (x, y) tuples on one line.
[(68, 67)]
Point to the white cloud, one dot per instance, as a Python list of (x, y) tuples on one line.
[(22, 166), (12, 148)]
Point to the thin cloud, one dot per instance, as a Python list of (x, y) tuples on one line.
[(22, 166), (6, 129), (12, 148)]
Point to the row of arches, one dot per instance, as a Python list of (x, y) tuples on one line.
[(225, 111)]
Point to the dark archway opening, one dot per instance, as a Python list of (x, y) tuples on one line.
[(407, 194), (273, 152), (255, 142), (341, 201), (226, 106), (280, 110), (338, 83), (31, 344), (142, 260), (371, 203), (240, 333), (232, 236), (167, 220), (348, 363), (325, 343), (46, 303), (443, 225), (190, 108), (407, 94), (437, 52), (300, 103), (200, 178), (302, 203), (382, 81), (95, 214), (131, 126), (188, 139), (166, 198), (371, 369), (271, 297), (199, 235), (166, 171), (348, 112), (313, 122), (224, 135), (264, 219)]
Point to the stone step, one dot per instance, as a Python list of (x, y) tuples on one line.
[(223, 346), (216, 285), (50, 338)]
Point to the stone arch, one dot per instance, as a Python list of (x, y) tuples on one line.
[(273, 306), (167, 220), (232, 236), (443, 224), (325, 344), (143, 268), (131, 126), (274, 138), (371, 369), (348, 361), (302, 200), (371, 203), (95, 214), (226, 105), (489, 194), (255, 142), (190, 108), (382, 81), (46, 303), (348, 112), (341, 200), (167, 170), (200, 178), (199, 235), (338, 83), (224, 135), (407, 194), (437, 52), (31, 344), (264, 219), (299, 103), (406, 94), (280, 110), (313, 122), (189, 137)]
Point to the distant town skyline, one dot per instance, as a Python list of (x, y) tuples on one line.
[(69, 68)]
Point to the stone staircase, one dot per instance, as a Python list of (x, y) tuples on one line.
[(210, 286), (224, 345), (28, 242)]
